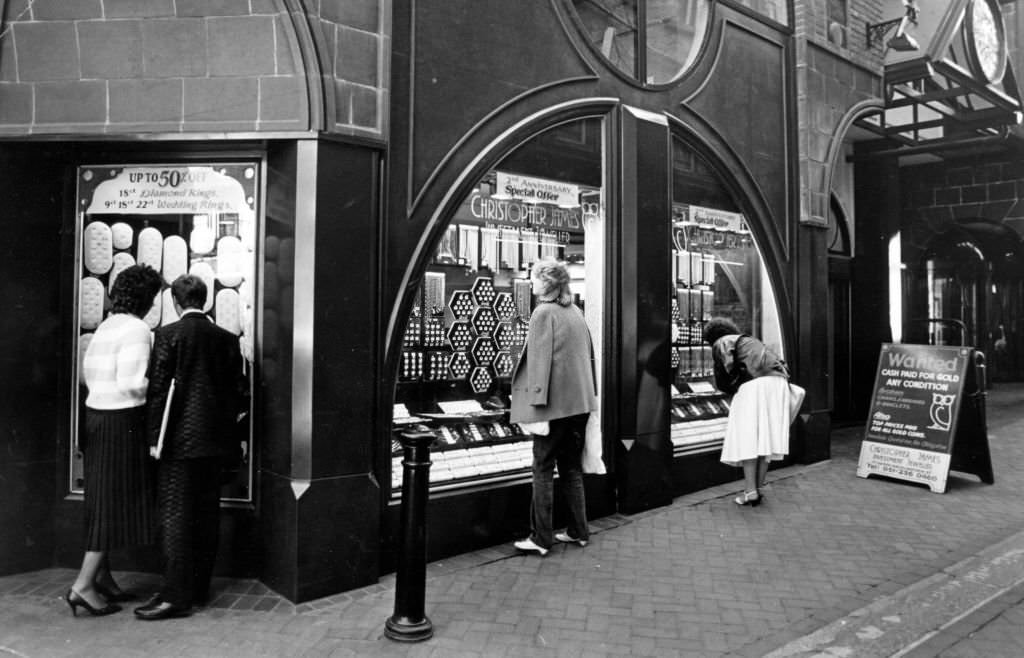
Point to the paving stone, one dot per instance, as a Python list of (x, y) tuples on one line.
[(699, 577)]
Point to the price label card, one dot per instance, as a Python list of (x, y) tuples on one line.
[(460, 407)]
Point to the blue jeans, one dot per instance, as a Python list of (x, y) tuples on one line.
[(563, 445)]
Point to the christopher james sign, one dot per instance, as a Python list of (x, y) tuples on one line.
[(914, 409)]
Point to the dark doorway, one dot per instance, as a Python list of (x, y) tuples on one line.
[(840, 317)]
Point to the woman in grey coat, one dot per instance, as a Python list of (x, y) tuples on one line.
[(554, 389)]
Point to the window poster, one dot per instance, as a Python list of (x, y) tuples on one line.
[(195, 219)]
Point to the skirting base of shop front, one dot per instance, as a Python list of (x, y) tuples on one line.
[(322, 542)]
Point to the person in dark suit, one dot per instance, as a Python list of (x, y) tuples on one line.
[(204, 363)]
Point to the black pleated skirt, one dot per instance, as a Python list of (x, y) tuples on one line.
[(120, 496)]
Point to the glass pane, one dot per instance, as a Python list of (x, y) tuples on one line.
[(773, 9), (675, 30), (196, 219), (717, 270), (469, 323), (611, 27)]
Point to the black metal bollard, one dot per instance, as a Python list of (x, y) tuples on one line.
[(409, 623)]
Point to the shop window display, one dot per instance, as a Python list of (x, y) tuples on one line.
[(717, 270), (178, 219), (469, 322)]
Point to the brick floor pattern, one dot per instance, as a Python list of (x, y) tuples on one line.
[(700, 577)]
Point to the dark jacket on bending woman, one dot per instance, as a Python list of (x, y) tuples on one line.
[(740, 358)]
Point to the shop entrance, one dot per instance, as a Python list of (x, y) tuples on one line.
[(966, 289), (840, 318)]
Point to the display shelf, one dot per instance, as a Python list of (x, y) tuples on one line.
[(469, 465), (462, 435), (697, 436)]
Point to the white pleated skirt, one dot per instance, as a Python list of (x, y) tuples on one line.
[(758, 421)]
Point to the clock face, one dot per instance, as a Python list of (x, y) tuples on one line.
[(985, 38)]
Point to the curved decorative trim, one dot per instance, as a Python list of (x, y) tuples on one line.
[(731, 168), (573, 34), (417, 197), (733, 172), (835, 145), (708, 61), (500, 146), (573, 29), (308, 63)]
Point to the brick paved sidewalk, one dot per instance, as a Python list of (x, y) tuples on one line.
[(701, 577), (994, 629)]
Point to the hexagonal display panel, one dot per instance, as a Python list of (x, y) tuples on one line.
[(503, 364), (484, 320), (461, 303), (484, 351), (459, 365), (460, 335), (505, 306), (483, 291), (505, 335), (480, 379)]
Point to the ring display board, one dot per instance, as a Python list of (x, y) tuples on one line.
[(918, 417), (178, 218)]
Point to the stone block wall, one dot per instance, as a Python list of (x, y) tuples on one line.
[(834, 72), (354, 45), (130, 66), (828, 87), (936, 196)]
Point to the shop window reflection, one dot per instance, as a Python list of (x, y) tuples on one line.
[(470, 316), (668, 33), (717, 270)]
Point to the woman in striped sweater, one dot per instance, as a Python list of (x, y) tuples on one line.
[(119, 492)]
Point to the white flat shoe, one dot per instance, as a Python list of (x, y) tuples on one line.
[(528, 546), (566, 539)]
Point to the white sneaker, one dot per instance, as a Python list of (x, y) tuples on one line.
[(528, 546), (566, 539)]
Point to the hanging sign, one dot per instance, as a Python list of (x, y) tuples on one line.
[(914, 413), (536, 190), (710, 218), (169, 190)]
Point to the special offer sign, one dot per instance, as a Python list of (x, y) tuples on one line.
[(914, 410)]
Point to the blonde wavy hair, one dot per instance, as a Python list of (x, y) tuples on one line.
[(554, 279)]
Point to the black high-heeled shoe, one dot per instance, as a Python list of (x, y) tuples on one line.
[(120, 596), (75, 600)]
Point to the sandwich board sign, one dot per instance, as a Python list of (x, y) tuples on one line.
[(918, 425)]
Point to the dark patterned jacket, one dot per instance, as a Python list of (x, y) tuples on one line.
[(209, 391)]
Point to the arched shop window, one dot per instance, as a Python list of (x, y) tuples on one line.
[(667, 34), (717, 270), (178, 219), (469, 322)]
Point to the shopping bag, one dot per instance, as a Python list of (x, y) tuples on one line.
[(539, 428), (592, 461), (796, 400)]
